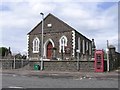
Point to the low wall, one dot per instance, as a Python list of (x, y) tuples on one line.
[(114, 61), (50, 65), (9, 64), (64, 65), (6, 64)]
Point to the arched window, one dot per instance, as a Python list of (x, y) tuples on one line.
[(62, 43), (87, 44), (83, 46), (36, 45)]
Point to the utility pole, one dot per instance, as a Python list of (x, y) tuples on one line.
[(42, 41), (108, 63)]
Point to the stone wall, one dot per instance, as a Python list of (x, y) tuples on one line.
[(87, 52), (114, 58), (55, 37), (50, 65), (64, 65), (9, 64), (115, 62), (6, 64)]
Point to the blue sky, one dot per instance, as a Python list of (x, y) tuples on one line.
[(98, 20)]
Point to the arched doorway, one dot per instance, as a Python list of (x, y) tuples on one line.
[(49, 50)]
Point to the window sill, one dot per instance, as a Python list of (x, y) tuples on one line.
[(35, 51)]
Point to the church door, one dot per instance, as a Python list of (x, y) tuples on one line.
[(49, 50)]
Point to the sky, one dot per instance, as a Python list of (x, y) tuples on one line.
[(96, 19)]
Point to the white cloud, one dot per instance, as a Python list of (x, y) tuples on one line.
[(63, 0), (101, 24), (88, 18), (16, 22)]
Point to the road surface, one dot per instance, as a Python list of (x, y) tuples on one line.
[(56, 81)]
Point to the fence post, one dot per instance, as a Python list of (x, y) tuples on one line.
[(1, 64), (78, 67), (21, 63), (14, 62)]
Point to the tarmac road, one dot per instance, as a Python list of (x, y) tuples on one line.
[(56, 81)]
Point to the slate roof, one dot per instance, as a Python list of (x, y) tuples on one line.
[(57, 26)]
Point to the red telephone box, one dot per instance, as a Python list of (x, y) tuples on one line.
[(99, 61)]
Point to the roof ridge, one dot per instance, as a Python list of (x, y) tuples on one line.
[(61, 21), (67, 25)]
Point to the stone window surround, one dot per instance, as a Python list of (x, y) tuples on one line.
[(62, 45), (45, 46), (36, 42), (73, 43)]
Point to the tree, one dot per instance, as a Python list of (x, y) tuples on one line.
[(18, 56), (24, 57), (105, 54), (3, 51)]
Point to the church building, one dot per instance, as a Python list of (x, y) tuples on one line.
[(60, 41)]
